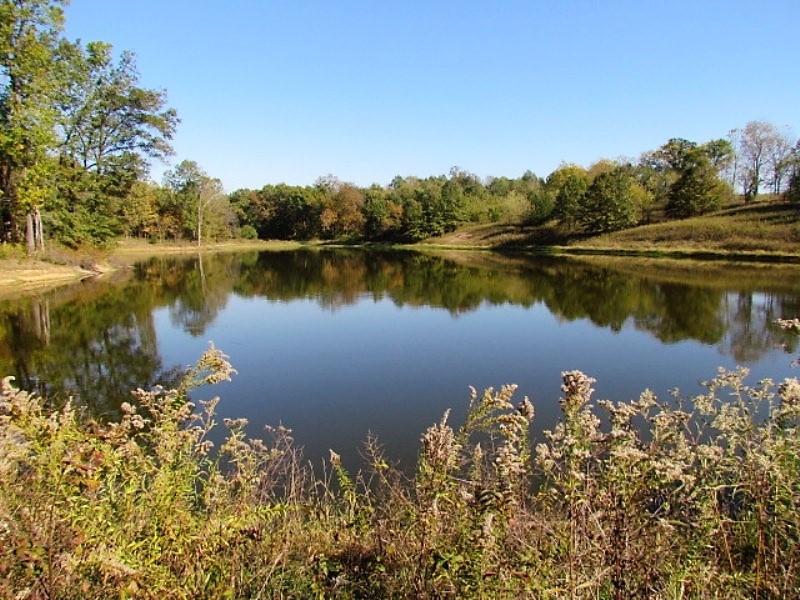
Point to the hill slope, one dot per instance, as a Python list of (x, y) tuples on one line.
[(769, 230)]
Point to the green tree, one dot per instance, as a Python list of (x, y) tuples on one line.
[(382, 216), (426, 207), (140, 211), (109, 128), (29, 31), (107, 121), (792, 193), (541, 202), (198, 194), (721, 153), (610, 202), (568, 185), (698, 189), (659, 169)]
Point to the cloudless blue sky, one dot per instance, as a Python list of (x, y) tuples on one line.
[(273, 91)]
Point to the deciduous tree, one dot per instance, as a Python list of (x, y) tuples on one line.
[(196, 192), (568, 185), (763, 152), (29, 31)]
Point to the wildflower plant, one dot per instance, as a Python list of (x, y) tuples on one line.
[(687, 497)]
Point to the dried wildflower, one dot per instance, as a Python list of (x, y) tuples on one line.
[(789, 392), (525, 408), (439, 445), (235, 423), (577, 388), (705, 404), (258, 445), (509, 463), (487, 537), (629, 454), (204, 447)]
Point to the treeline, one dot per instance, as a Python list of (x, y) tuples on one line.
[(679, 179), (78, 133)]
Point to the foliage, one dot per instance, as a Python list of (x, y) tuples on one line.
[(107, 123), (693, 497), (568, 185), (28, 34), (792, 193), (609, 203), (697, 190), (76, 133), (197, 202)]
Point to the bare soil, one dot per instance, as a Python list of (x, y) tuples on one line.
[(19, 276)]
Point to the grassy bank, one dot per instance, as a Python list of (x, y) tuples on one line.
[(690, 498), (764, 231)]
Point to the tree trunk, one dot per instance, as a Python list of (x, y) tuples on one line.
[(30, 241), (199, 220), (38, 232)]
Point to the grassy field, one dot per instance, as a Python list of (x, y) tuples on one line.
[(765, 230)]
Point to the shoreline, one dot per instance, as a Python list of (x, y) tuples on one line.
[(33, 275)]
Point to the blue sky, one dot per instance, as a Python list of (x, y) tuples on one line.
[(273, 91)]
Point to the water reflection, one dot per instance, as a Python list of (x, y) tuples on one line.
[(93, 341), (734, 307), (98, 340)]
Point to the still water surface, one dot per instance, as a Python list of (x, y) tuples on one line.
[(340, 343)]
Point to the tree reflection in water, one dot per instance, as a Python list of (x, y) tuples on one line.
[(97, 341)]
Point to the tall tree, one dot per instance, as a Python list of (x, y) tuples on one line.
[(196, 192), (29, 30), (793, 190), (761, 148), (107, 121), (342, 211), (109, 128), (568, 185)]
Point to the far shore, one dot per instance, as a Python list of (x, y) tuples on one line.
[(22, 276)]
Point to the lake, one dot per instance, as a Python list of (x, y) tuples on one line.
[(339, 343)]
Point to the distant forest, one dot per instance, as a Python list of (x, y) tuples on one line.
[(78, 134), (677, 180)]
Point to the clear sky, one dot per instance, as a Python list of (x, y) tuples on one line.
[(272, 91)]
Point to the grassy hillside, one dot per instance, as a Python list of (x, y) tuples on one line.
[(763, 229)]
